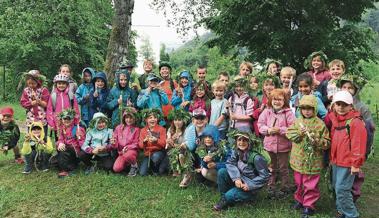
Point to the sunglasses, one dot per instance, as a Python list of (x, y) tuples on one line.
[(200, 117)]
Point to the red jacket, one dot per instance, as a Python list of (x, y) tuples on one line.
[(158, 132), (66, 137), (348, 151)]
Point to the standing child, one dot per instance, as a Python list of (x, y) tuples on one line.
[(9, 134), (273, 123), (245, 69), (152, 141), (182, 95), (328, 88), (168, 85), (272, 67), (83, 94), (65, 69), (219, 113), (304, 83), (36, 149), (348, 151), (71, 138), (316, 63), (99, 95), (287, 78), (148, 68), (224, 78), (60, 99), (310, 138), (253, 86), (246, 172), (153, 96), (98, 144), (200, 98), (125, 138)]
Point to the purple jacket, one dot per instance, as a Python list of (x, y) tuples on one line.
[(126, 136), (282, 119)]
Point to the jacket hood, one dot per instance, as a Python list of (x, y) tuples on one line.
[(95, 120), (100, 75), (208, 131), (311, 101), (40, 125), (117, 77), (89, 69)]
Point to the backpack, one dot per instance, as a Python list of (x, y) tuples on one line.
[(263, 154), (370, 136), (54, 99), (244, 103)]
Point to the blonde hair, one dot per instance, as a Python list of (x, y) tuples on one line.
[(288, 71), (337, 62), (65, 65), (249, 65), (218, 84), (147, 61)]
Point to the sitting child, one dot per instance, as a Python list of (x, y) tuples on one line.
[(36, 149), (9, 134), (246, 172)]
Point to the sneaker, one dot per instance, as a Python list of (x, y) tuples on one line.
[(89, 170), (175, 174), (297, 205), (26, 172), (133, 171), (340, 215), (19, 160), (45, 170), (222, 204), (62, 174), (181, 159), (186, 181), (308, 211)]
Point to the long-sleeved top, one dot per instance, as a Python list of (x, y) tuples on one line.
[(72, 136), (83, 97), (321, 110), (128, 96), (34, 113), (40, 143), (126, 136), (241, 105), (251, 169), (177, 100), (11, 133), (150, 147), (153, 99), (96, 138), (190, 136)]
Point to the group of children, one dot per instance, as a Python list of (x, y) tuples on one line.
[(240, 134)]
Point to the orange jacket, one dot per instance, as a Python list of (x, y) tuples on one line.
[(148, 147), (348, 151)]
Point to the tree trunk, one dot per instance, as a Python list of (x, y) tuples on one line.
[(118, 42)]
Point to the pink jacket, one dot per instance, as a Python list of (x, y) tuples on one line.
[(62, 102), (34, 113), (282, 119), (126, 136), (67, 137), (238, 107)]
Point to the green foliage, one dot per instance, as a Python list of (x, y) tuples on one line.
[(146, 49), (163, 55), (132, 54)]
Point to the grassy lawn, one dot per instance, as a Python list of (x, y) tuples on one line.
[(102, 195)]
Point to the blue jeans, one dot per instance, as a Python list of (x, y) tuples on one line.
[(158, 163), (229, 191), (342, 182)]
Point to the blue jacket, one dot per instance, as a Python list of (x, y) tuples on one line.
[(81, 93), (190, 136), (176, 100), (96, 138), (154, 99), (321, 110), (98, 104), (128, 95)]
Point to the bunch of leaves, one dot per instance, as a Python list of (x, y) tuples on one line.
[(253, 139), (217, 150), (174, 155), (179, 114), (145, 113), (67, 113), (5, 137)]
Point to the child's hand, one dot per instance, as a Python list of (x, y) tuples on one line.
[(95, 94), (207, 159), (5, 148), (95, 151), (211, 165), (152, 139), (238, 183), (61, 147), (124, 150), (245, 187), (183, 146), (112, 141), (184, 104), (34, 102), (354, 170), (273, 130), (119, 101)]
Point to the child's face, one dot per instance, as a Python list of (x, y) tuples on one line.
[(31, 83), (200, 122), (244, 71), (200, 93), (218, 92), (278, 102), (61, 86), (242, 143), (239, 90), (208, 141), (65, 71), (184, 81), (153, 84), (272, 69), (224, 79), (67, 121), (304, 88), (347, 86), (201, 73), (165, 72), (129, 120), (123, 80), (317, 63), (36, 132), (178, 124), (87, 77), (253, 84), (307, 112), (342, 108), (336, 72), (99, 83), (268, 86), (6, 118), (148, 67), (286, 79), (101, 124), (152, 120)]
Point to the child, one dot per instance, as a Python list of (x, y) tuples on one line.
[(120, 96), (148, 68), (272, 67), (200, 98), (273, 123), (246, 68), (246, 172), (253, 86), (329, 87), (182, 95), (71, 137), (219, 113), (287, 78), (310, 137), (224, 78), (201, 72), (168, 85), (60, 99), (83, 94), (98, 144), (240, 106), (9, 134), (213, 155), (125, 139), (304, 83), (65, 69), (153, 96), (34, 98), (36, 148), (348, 149), (316, 63), (99, 95), (152, 141)]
